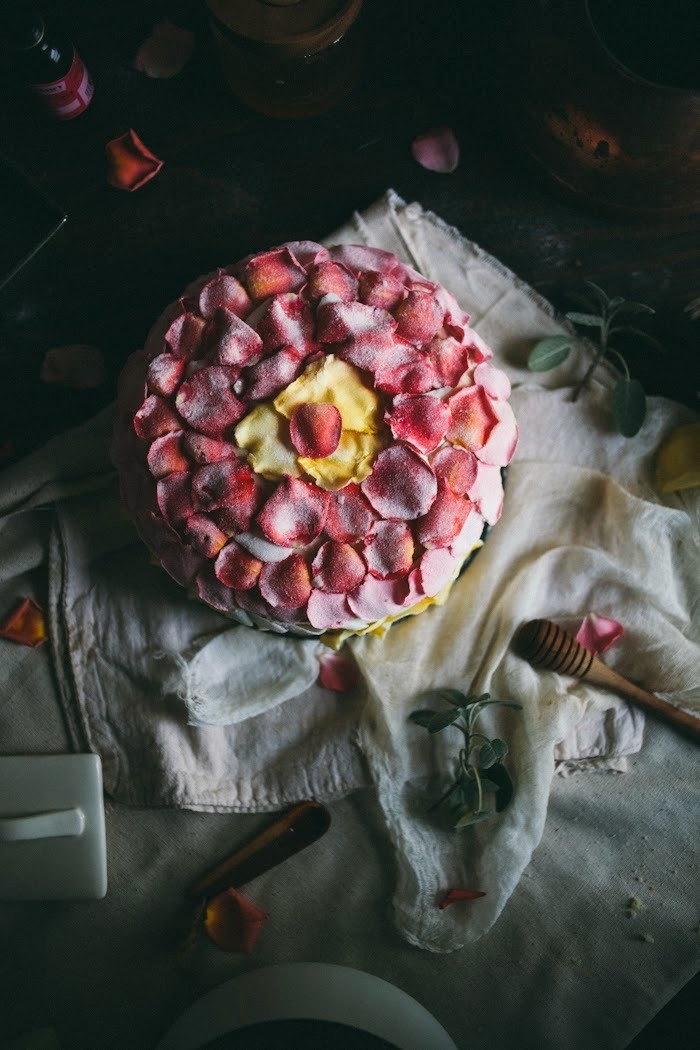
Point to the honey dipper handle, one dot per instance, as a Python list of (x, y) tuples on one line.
[(544, 644)]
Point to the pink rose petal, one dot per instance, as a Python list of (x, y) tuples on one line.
[(294, 514), (376, 599), (330, 612), (288, 321), (358, 257), (331, 278), (495, 382), (206, 400), (237, 343), (273, 272), (380, 289), (235, 568), (486, 491), (437, 150), (499, 447), (213, 592), (458, 467), (184, 336), (130, 163), (166, 51), (315, 429), (473, 418), (444, 520), (75, 365), (598, 633), (224, 292), (154, 418), (389, 549), (418, 317), (349, 514), (420, 421), (338, 672), (286, 584), (272, 374), (165, 374), (165, 456), (401, 486), (337, 567)]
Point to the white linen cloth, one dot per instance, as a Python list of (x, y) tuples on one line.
[(583, 530)]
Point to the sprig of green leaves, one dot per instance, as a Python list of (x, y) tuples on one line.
[(611, 317), (480, 773)]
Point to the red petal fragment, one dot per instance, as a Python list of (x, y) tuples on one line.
[(165, 374), (215, 593), (421, 421), (272, 273), (499, 447), (288, 321), (450, 359), (233, 922), (236, 342), (478, 349), (130, 163), (26, 624), (486, 492), (165, 456), (202, 534), (406, 370), (206, 400), (272, 374), (337, 322), (166, 51), (76, 366), (224, 292), (598, 633), (331, 278), (349, 514), (235, 568), (389, 549), (174, 494), (315, 429), (376, 599), (337, 568), (294, 514), (380, 289), (445, 518), (401, 486), (435, 569), (473, 418), (495, 382), (184, 336), (330, 612), (225, 483), (155, 418), (338, 673), (206, 450), (286, 584), (436, 150), (460, 895), (458, 468), (358, 257), (418, 317)]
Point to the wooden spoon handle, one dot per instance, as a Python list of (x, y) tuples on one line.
[(544, 644)]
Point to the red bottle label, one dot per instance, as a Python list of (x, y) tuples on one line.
[(71, 95)]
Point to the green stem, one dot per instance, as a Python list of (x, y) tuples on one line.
[(597, 358), (618, 355)]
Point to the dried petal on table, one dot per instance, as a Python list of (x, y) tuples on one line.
[(437, 150), (131, 163), (598, 633), (233, 922), (452, 896), (26, 624), (338, 672), (75, 365), (166, 51)]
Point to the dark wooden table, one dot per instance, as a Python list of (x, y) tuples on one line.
[(234, 181)]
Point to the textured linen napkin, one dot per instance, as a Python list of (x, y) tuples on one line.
[(188, 710)]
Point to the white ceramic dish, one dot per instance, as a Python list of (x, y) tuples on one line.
[(309, 991)]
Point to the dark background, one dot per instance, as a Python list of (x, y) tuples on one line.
[(234, 181)]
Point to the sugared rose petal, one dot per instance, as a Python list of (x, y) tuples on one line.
[(402, 486), (421, 421), (435, 570), (337, 321), (206, 400), (469, 538), (598, 633), (376, 599), (206, 450), (337, 567), (307, 253), (273, 373), (349, 514), (495, 382), (237, 343), (389, 549), (155, 418), (457, 466), (499, 447), (227, 482), (224, 292), (233, 922), (236, 568), (330, 612), (215, 593), (330, 278), (437, 150), (450, 359), (174, 494), (166, 51), (130, 163), (180, 562), (358, 257), (380, 289), (76, 365), (26, 624), (288, 321), (202, 534), (445, 518), (406, 370), (286, 584), (473, 418), (418, 317), (315, 429), (486, 492), (331, 381), (338, 672), (264, 436), (452, 896), (184, 336), (165, 374), (294, 514), (166, 456), (272, 273)]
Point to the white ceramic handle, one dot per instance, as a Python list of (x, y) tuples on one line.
[(59, 823)]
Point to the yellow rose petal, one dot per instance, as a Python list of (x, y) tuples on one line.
[(264, 436), (335, 382), (678, 463), (351, 461)]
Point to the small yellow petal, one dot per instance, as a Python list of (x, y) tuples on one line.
[(678, 462), (352, 461), (332, 381), (264, 436)]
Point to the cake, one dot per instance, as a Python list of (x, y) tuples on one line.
[(312, 440)]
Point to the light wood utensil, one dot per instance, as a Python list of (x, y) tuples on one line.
[(544, 644)]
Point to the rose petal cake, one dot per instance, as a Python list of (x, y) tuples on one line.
[(312, 439)]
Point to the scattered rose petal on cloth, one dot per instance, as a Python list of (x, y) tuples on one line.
[(25, 624), (75, 365), (131, 163), (452, 896), (437, 150), (338, 673), (166, 51), (233, 922), (598, 633)]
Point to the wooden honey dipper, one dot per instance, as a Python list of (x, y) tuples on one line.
[(544, 644)]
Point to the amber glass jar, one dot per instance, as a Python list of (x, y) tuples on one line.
[(288, 58)]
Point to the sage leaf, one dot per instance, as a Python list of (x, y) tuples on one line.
[(442, 719), (629, 406), (500, 749), (452, 696), (487, 756), (501, 777), (422, 718), (548, 353), (589, 320)]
